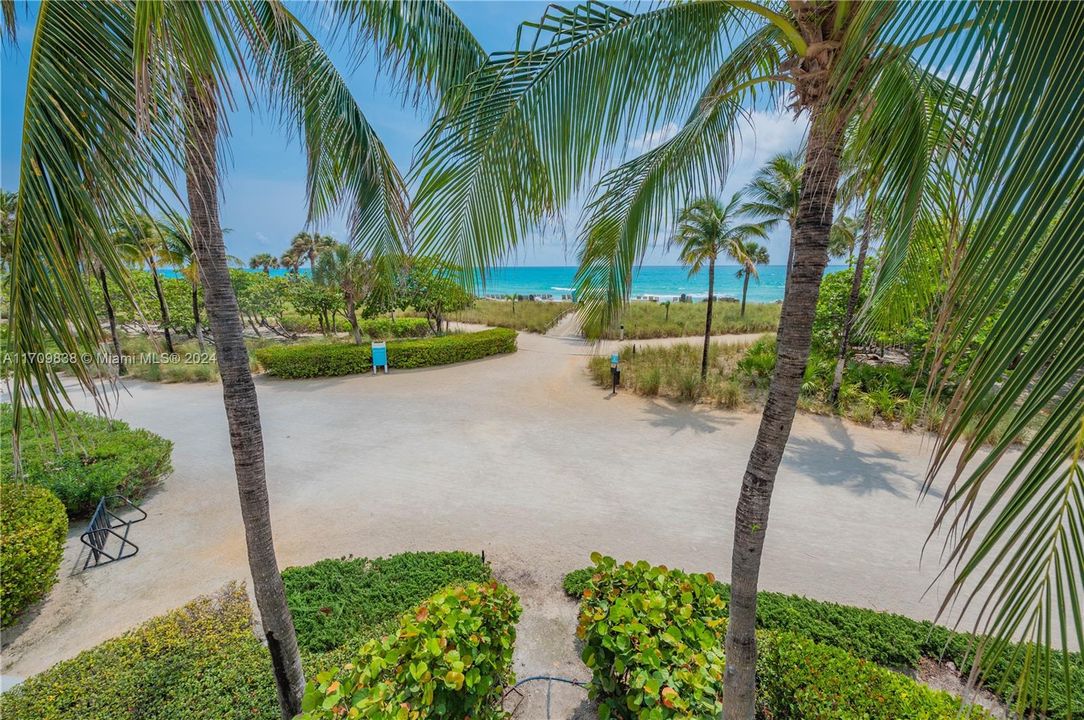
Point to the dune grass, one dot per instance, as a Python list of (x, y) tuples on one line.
[(530, 315), (653, 320)]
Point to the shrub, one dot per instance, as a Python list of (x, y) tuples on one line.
[(758, 363), (33, 529), (451, 658), (97, 457), (335, 602), (200, 662), (653, 640), (403, 327), (333, 359)]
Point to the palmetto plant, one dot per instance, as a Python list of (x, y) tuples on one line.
[(139, 87), (748, 254), (527, 130), (263, 261), (707, 229), (347, 270), (309, 246)]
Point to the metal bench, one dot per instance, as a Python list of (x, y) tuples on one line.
[(104, 523)]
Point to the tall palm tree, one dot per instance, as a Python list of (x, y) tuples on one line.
[(125, 138), (862, 233), (774, 193), (706, 229), (177, 231), (306, 245), (347, 270), (263, 261), (843, 238), (530, 127), (141, 239), (8, 201), (748, 255)]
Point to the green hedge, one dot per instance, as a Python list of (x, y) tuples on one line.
[(33, 529), (336, 602), (96, 457), (332, 359), (451, 658), (654, 641), (401, 327)]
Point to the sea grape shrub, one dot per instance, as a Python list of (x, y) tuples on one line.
[(33, 529), (653, 640), (450, 658)]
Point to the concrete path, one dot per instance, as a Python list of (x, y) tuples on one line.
[(519, 456)]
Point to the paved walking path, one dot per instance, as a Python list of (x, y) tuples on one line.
[(519, 456)]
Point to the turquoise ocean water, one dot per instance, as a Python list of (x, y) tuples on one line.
[(663, 281)]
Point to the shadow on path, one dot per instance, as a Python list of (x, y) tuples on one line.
[(677, 418)]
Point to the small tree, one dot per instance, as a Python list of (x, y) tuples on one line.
[(430, 288), (347, 269)]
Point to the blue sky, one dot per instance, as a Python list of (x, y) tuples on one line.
[(263, 188)]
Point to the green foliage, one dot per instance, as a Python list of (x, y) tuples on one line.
[(653, 640), (96, 457), (451, 658), (674, 371), (832, 309), (33, 529), (259, 296), (430, 288), (653, 320), (575, 582), (176, 291), (531, 315), (328, 359), (404, 327), (335, 602), (200, 662), (758, 363)]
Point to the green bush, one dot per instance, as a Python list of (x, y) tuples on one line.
[(200, 662), (758, 363), (33, 528), (328, 359), (403, 327), (451, 658), (653, 640), (892, 640), (96, 457), (336, 602)]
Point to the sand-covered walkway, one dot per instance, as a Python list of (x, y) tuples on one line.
[(519, 456)]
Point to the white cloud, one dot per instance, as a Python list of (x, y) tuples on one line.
[(262, 239)]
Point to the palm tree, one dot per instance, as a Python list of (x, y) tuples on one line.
[(123, 137), (178, 239), (141, 239), (291, 261), (706, 229), (843, 237), (748, 254), (346, 269), (8, 201), (529, 128), (310, 245), (263, 261), (774, 193), (863, 236)]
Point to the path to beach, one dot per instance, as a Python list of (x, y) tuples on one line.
[(519, 456)]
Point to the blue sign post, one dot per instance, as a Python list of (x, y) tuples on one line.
[(380, 356), (615, 372)]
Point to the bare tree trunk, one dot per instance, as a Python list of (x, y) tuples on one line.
[(196, 320), (162, 308), (810, 244), (238, 391), (852, 305), (112, 320), (744, 290), (707, 324)]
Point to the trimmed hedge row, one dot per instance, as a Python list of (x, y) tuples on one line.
[(97, 457), (451, 658), (897, 642), (333, 359), (33, 529), (654, 641)]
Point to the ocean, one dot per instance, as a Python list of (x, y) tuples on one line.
[(661, 281)]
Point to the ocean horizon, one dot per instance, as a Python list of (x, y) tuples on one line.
[(663, 282)]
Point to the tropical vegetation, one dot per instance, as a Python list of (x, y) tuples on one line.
[(33, 531)]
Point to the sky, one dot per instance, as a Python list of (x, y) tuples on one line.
[(263, 202)]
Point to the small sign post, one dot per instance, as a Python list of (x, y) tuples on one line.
[(615, 372), (380, 356)]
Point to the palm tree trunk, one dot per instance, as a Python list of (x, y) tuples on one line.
[(196, 320), (112, 319), (744, 290), (239, 392), (707, 324), (352, 316), (162, 309), (810, 244), (852, 305)]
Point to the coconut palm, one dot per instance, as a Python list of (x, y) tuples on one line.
[(748, 255), (843, 237), (774, 191), (177, 231), (347, 270), (141, 86), (528, 130), (263, 261), (706, 229), (140, 239)]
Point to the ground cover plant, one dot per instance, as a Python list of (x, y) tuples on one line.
[(203, 662), (531, 315), (889, 640), (33, 529), (89, 457), (332, 359), (677, 319), (653, 639)]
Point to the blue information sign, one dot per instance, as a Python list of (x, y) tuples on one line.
[(380, 356)]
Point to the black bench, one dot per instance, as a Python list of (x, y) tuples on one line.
[(104, 523)]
